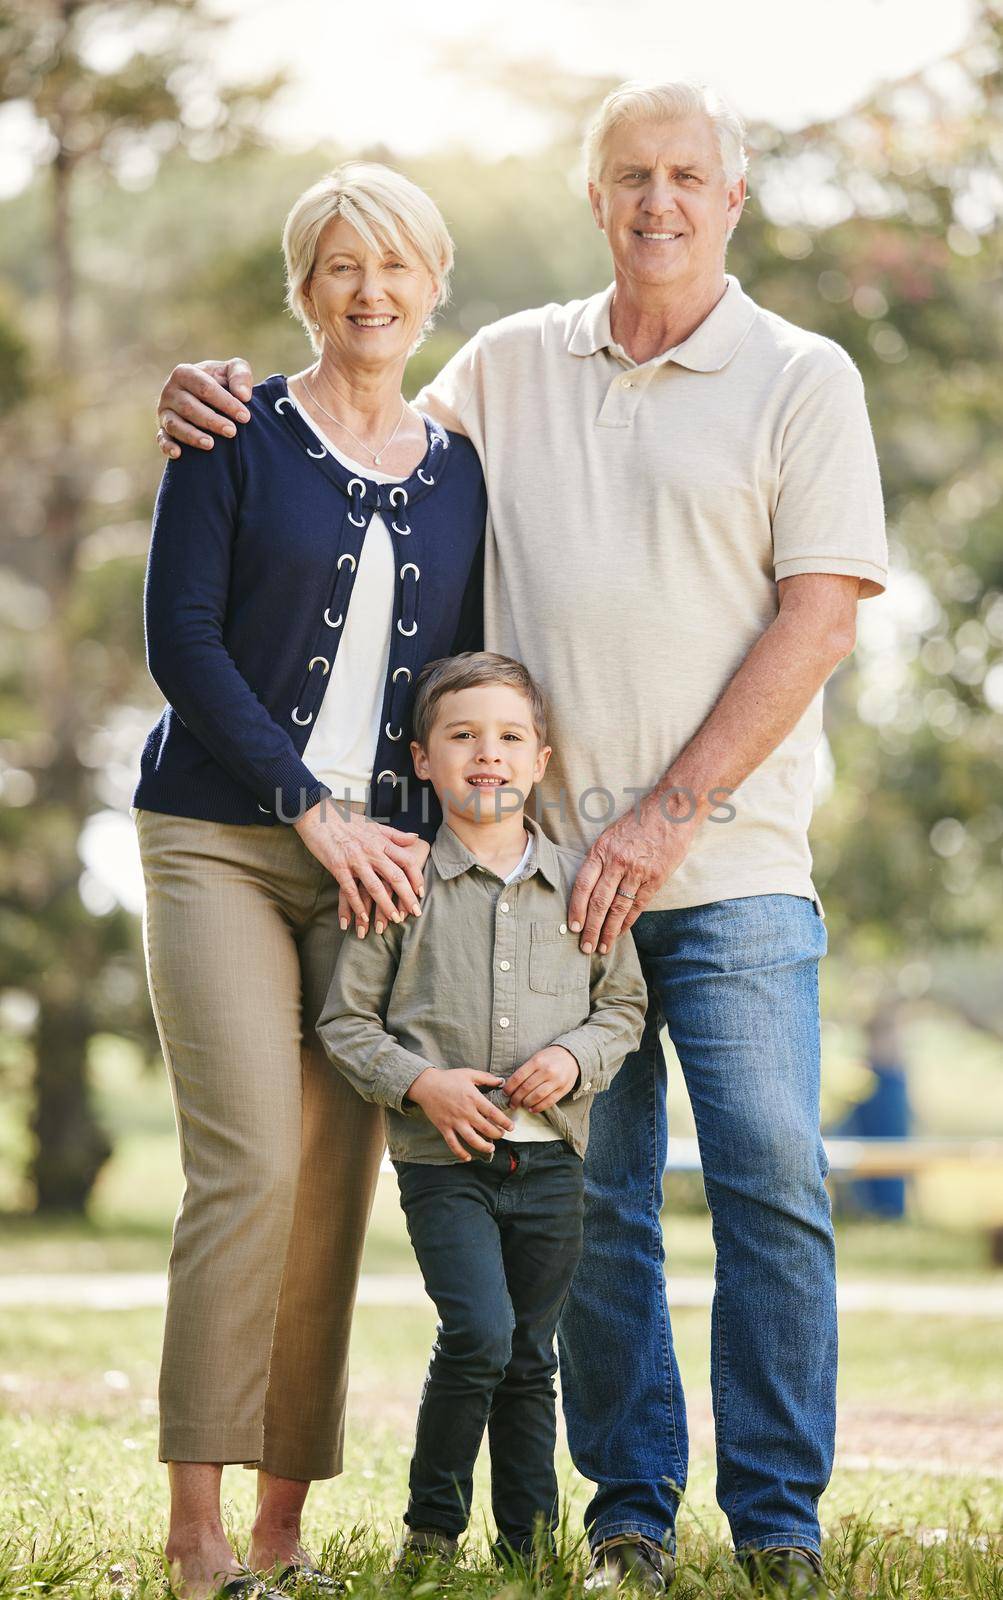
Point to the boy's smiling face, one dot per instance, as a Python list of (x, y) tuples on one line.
[(484, 754)]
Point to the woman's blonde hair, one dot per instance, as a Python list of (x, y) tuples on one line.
[(664, 102), (387, 210)]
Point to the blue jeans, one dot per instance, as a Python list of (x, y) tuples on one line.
[(736, 982), (497, 1242)]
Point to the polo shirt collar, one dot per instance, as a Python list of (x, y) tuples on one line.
[(451, 856), (708, 348)]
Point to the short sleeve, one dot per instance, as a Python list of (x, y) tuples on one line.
[(829, 514), (450, 397)]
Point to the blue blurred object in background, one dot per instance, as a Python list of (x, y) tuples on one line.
[(885, 1113)]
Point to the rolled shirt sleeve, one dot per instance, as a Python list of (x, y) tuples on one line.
[(829, 515), (618, 999)]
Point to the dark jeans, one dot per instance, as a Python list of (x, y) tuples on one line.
[(497, 1242)]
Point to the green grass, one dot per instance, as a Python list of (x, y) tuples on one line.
[(78, 1470), (913, 1510)]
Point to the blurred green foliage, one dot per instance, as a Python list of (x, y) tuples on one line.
[(154, 238)]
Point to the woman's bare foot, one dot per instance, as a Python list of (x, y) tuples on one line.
[(275, 1536), (199, 1566), (198, 1554), (275, 1547)]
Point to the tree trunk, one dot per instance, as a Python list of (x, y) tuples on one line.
[(71, 1147)]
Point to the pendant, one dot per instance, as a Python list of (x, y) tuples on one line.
[(377, 460)]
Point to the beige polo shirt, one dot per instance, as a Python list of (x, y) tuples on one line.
[(640, 517)]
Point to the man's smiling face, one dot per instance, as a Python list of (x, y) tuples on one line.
[(664, 203)]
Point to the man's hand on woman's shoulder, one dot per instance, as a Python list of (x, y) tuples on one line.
[(198, 401)]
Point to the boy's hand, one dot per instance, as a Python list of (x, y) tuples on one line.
[(544, 1079), (453, 1102)]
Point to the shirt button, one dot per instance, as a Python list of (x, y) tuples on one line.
[(505, 965), (503, 906), (586, 1085), (503, 1022), (626, 383), (563, 928)]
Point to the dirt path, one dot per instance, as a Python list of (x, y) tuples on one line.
[(126, 1291)]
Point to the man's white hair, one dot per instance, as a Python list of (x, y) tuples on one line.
[(664, 102), (387, 210)]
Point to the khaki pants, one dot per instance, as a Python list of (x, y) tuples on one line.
[(280, 1155)]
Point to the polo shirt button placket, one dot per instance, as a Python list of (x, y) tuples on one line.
[(622, 400)]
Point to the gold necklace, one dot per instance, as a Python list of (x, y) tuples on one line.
[(376, 454)]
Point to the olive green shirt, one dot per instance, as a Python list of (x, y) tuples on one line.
[(486, 976)]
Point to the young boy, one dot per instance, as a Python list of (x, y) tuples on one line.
[(486, 1033)]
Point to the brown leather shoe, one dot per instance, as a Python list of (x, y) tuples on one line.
[(786, 1572), (629, 1558), (421, 1546)]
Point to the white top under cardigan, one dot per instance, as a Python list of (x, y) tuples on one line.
[(341, 748)]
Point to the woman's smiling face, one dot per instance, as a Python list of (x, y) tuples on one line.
[(371, 304)]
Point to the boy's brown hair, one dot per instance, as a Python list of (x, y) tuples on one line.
[(469, 671)]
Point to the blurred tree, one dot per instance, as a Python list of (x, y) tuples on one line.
[(878, 229), (111, 91), (885, 235)]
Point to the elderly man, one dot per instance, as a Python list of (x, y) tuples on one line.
[(684, 511)]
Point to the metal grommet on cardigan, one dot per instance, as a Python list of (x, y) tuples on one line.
[(356, 499), (398, 497), (399, 680), (412, 626)]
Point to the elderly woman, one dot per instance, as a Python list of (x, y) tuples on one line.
[(301, 574)]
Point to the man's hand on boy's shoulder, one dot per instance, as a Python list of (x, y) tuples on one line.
[(452, 1101), (545, 1078)]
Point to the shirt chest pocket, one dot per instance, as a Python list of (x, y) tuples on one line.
[(557, 964)]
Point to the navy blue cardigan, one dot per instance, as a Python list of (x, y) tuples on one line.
[(250, 577)]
